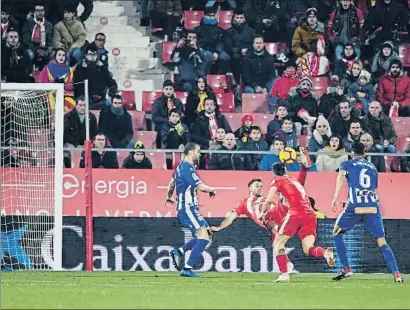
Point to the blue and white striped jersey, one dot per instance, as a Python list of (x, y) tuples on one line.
[(186, 181), (362, 180)]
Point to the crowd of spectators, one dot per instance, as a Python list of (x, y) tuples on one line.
[(353, 43)]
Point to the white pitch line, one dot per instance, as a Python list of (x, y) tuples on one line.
[(221, 187), (23, 185)]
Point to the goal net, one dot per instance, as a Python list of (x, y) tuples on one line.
[(31, 134)]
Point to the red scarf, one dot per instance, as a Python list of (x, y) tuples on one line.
[(213, 124)]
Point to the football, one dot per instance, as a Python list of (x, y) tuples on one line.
[(288, 155)]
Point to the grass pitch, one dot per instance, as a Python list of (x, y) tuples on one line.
[(122, 290)]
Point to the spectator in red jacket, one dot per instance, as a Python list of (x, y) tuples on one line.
[(394, 89), (282, 85)]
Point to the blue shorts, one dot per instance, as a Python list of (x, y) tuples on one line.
[(372, 222), (192, 219)]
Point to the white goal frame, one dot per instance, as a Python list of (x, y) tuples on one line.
[(59, 160)]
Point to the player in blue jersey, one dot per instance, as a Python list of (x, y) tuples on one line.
[(186, 182), (363, 206)]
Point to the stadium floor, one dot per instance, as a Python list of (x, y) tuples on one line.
[(122, 290)]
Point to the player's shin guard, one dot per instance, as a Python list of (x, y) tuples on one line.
[(316, 251), (389, 257), (188, 246), (196, 253), (282, 260), (341, 250)]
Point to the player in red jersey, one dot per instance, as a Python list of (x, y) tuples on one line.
[(300, 218)]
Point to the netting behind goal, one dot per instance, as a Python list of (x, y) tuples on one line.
[(31, 176)]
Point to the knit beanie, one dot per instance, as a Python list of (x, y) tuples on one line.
[(306, 80), (247, 116)]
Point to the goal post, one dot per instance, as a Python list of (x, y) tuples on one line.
[(31, 181)]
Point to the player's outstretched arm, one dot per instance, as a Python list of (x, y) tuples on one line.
[(228, 220), (339, 183), (205, 188), (170, 192)]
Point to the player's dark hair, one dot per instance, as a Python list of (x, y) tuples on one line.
[(279, 169), (255, 128), (190, 146), (358, 148), (253, 181)]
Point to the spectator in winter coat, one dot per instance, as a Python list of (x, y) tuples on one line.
[(307, 33), (405, 161), (320, 136), (116, 124), (377, 161), (381, 61), (196, 99), (37, 35), (137, 159), (8, 22), (331, 99), (100, 158), (217, 142), (394, 89), (362, 91), (99, 41), (344, 26), (288, 134), (100, 81), (58, 6), (350, 75), (355, 132), (174, 133), (165, 14), (258, 68), (16, 66), (276, 124), (302, 104), (238, 40), (380, 126), (242, 134), (256, 143), (231, 161), (211, 39), (164, 104), (74, 128), (283, 84), (70, 34), (340, 121), (190, 59), (330, 162), (346, 60)]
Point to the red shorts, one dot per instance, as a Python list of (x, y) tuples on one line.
[(304, 225)]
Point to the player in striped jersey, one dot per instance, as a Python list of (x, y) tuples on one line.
[(363, 206), (186, 181)]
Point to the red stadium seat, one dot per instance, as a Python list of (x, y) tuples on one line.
[(320, 85), (167, 49), (146, 137), (225, 19), (402, 126), (404, 53), (148, 98), (275, 48), (121, 156), (304, 140), (158, 160), (402, 143), (226, 102), (262, 120), (181, 96), (176, 158), (192, 19), (254, 103), (75, 159), (129, 99), (138, 120), (234, 120), (220, 81)]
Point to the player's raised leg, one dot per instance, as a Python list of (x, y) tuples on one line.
[(374, 225)]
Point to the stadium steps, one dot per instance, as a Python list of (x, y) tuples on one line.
[(131, 58)]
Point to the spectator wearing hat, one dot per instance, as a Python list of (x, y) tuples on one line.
[(331, 98), (165, 14), (58, 6), (302, 104), (346, 59), (377, 161), (69, 33), (137, 159), (382, 60), (7, 21), (37, 35), (344, 26), (16, 65), (283, 84), (307, 33), (243, 132), (101, 158), (174, 133), (100, 81), (321, 134), (116, 124), (258, 68), (394, 90), (380, 126), (164, 104), (362, 92)]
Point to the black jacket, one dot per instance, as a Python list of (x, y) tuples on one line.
[(167, 127), (74, 130), (57, 9), (160, 111), (107, 160), (99, 80), (16, 65), (339, 126), (192, 103), (328, 103), (377, 161), (232, 161), (296, 102), (117, 129), (238, 37), (210, 37), (130, 163), (258, 69), (27, 33), (200, 130), (255, 159)]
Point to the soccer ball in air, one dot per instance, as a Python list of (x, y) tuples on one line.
[(288, 155)]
